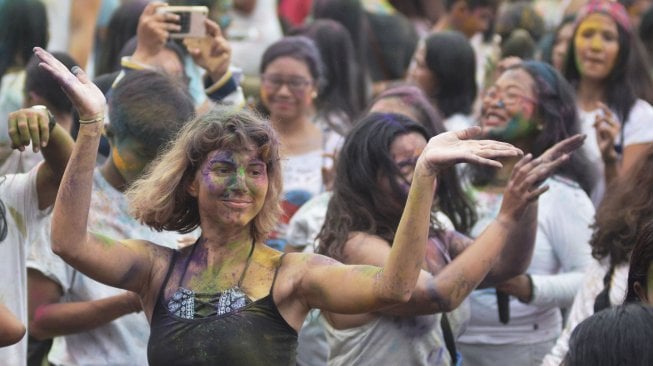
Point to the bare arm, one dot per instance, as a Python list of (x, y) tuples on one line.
[(355, 289), (31, 125), (11, 329), (446, 289), (83, 18), (126, 264), (48, 317)]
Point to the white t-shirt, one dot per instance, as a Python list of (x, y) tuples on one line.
[(25, 224), (124, 340), (560, 256), (637, 130)]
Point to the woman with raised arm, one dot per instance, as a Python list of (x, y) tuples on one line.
[(375, 170), (229, 298)]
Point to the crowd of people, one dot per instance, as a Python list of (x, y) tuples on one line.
[(326, 182)]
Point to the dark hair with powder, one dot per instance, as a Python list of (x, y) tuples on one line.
[(150, 117), (42, 83), (358, 204), (451, 199), (557, 114)]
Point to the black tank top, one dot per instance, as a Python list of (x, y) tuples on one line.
[(255, 334)]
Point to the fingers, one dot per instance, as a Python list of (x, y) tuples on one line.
[(28, 125), (565, 146), (468, 133), (44, 129), (212, 28)]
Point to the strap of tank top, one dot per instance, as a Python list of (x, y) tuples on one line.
[(249, 257), (187, 262), (171, 265), (276, 271)]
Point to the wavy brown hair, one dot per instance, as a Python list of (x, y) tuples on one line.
[(160, 199), (623, 212)]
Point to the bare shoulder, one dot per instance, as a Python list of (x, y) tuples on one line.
[(363, 248)]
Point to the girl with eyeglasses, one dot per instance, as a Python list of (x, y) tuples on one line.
[(291, 77)]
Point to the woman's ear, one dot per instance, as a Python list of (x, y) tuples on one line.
[(192, 187), (640, 291)]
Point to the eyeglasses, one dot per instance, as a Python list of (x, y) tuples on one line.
[(296, 84), (507, 98)]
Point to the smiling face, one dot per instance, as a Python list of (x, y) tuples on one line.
[(287, 88), (596, 46), (230, 187), (509, 106)]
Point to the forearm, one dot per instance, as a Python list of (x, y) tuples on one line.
[(70, 215), (56, 155), (11, 329), (404, 263), (518, 249), (59, 319), (459, 278)]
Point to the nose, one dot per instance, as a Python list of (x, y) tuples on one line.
[(238, 183), (284, 89), (596, 43)]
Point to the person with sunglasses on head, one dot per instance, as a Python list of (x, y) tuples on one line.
[(291, 77)]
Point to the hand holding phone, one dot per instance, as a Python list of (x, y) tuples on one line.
[(212, 52), (190, 20)]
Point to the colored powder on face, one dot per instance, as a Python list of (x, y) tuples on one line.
[(517, 128), (125, 168)]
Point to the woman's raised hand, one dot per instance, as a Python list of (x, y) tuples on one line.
[(528, 174), (85, 96), (451, 148)]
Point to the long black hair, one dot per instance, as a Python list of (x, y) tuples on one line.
[(23, 26), (339, 93), (450, 57)]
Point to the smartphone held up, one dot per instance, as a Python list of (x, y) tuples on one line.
[(191, 20)]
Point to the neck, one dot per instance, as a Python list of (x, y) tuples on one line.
[(290, 127), (589, 93), (226, 240), (112, 175)]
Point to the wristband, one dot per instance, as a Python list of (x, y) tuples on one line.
[(532, 291), (51, 121)]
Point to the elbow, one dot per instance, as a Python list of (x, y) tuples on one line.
[(395, 296), (37, 332), (13, 334)]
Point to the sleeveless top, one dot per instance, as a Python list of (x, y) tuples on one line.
[(254, 333)]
